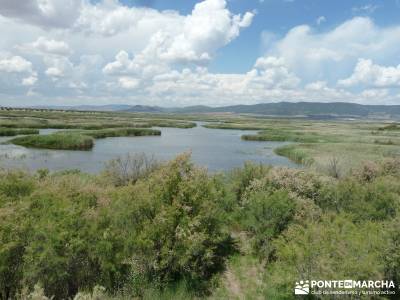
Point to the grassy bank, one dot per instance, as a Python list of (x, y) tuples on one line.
[(233, 126), (19, 131), (120, 132), (295, 154), (79, 140), (59, 141)]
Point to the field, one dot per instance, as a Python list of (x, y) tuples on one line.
[(144, 229)]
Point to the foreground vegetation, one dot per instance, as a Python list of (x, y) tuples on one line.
[(147, 230)]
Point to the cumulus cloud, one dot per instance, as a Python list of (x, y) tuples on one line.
[(45, 13), (15, 64), (46, 46), (57, 67), (373, 75), (332, 54), (18, 65), (109, 18), (105, 50), (209, 27), (29, 81), (128, 83)]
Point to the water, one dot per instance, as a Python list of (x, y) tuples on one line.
[(216, 149)]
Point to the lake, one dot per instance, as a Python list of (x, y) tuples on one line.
[(216, 149)]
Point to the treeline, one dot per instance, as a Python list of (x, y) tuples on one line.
[(144, 230)]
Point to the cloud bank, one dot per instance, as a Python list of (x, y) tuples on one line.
[(73, 52)]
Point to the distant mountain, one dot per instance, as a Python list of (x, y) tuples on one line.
[(290, 109), (145, 108), (304, 109), (108, 107)]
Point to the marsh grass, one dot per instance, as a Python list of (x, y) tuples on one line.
[(294, 154), (59, 141), (79, 140), (317, 143), (19, 131), (120, 132), (86, 120)]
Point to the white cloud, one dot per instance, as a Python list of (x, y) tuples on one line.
[(273, 72), (57, 67), (210, 27), (19, 66), (331, 55), (45, 13), (372, 75), (107, 51), (110, 18), (128, 83), (46, 46), (29, 81), (15, 64)]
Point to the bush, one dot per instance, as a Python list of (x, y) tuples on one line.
[(364, 201), (243, 177), (172, 228), (303, 183), (71, 232), (129, 169), (328, 249), (266, 215)]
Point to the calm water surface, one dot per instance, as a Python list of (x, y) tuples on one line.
[(216, 149)]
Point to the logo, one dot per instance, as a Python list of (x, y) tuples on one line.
[(302, 288), (345, 287)]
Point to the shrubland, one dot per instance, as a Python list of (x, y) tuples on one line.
[(149, 230)]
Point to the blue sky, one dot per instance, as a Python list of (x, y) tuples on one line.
[(279, 16), (214, 52)]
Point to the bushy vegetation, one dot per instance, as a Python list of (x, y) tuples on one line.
[(60, 141), (147, 230), (71, 232)]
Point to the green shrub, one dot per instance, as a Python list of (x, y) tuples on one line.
[(266, 215), (71, 232), (364, 201), (241, 178), (334, 247), (172, 227)]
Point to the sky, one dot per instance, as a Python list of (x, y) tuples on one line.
[(210, 52)]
